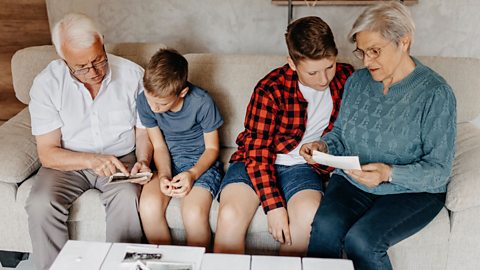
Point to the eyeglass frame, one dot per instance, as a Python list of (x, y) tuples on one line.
[(360, 54), (97, 66)]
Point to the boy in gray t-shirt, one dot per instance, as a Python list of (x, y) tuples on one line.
[(182, 122)]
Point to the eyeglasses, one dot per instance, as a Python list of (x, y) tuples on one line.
[(372, 53), (82, 71)]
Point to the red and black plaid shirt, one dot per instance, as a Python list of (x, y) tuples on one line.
[(275, 123)]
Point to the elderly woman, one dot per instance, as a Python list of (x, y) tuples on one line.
[(398, 116)]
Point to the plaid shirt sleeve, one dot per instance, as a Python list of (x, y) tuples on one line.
[(342, 73), (259, 150)]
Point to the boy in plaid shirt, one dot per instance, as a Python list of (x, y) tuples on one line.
[(292, 105)]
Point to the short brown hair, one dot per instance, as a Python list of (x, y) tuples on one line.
[(310, 38), (166, 73)]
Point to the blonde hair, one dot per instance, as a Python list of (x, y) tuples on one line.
[(390, 18), (77, 30)]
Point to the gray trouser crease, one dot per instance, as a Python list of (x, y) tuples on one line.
[(54, 192)]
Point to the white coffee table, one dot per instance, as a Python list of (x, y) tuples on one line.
[(79, 255)]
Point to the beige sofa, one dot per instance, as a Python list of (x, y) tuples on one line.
[(450, 241)]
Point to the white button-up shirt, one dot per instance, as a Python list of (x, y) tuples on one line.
[(104, 125)]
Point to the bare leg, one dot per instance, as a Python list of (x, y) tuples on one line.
[(301, 209), (153, 204), (238, 204), (195, 214)]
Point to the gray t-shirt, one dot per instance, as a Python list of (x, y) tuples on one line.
[(183, 130)]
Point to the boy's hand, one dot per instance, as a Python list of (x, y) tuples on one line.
[(182, 184), (165, 185), (278, 225), (306, 150)]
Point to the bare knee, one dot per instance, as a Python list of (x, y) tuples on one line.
[(231, 216), (301, 211), (152, 204), (194, 215)]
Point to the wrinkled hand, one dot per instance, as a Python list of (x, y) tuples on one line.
[(372, 174), (140, 166), (278, 225), (105, 165), (182, 184), (306, 150)]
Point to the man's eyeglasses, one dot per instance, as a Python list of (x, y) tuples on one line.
[(372, 53), (82, 71)]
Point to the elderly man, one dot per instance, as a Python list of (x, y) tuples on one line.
[(85, 123)]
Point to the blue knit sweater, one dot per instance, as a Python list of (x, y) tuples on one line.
[(411, 128)]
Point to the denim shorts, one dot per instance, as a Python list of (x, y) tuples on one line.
[(290, 179), (209, 180)]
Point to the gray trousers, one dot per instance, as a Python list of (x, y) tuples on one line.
[(52, 195)]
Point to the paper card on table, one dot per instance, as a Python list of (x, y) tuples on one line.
[(340, 162)]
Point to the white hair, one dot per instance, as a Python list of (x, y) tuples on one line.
[(75, 29), (391, 19)]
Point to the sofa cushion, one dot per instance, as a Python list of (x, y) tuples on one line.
[(18, 151), (230, 80), (464, 187)]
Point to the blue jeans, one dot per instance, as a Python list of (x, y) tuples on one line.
[(290, 179), (365, 225), (209, 180)]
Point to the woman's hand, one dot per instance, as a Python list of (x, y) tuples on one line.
[(306, 151), (372, 174)]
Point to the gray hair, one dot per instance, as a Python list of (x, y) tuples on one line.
[(391, 19), (75, 29)]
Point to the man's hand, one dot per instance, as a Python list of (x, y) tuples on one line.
[(306, 150), (140, 166), (104, 165), (278, 225), (182, 184), (372, 174)]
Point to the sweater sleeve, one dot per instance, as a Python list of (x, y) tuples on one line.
[(438, 137), (333, 139)]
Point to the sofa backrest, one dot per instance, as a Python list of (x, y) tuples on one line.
[(230, 79), (28, 62)]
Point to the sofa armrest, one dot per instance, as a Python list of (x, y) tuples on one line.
[(464, 188), (18, 151)]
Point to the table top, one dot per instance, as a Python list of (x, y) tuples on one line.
[(108, 256)]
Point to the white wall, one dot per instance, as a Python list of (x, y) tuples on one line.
[(444, 27)]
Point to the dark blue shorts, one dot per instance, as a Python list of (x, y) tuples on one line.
[(209, 180), (290, 179)]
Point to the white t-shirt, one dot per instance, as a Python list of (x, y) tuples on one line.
[(320, 106), (104, 125)]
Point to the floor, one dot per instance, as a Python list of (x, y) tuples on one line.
[(23, 23)]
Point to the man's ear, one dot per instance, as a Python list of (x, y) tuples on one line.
[(184, 92), (291, 63)]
